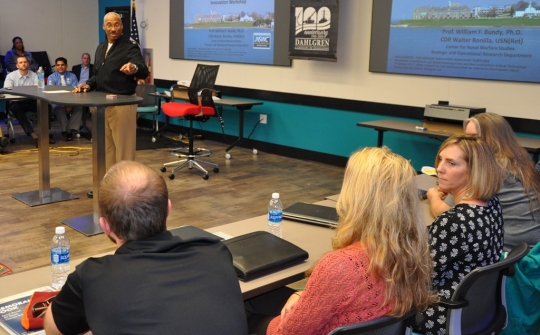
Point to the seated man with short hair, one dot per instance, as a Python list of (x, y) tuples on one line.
[(155, 283), (69, 126), (23, 76)]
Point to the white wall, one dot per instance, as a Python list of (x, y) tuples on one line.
[(349, 78), (63, 28)]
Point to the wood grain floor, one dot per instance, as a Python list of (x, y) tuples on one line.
[(240, 190)]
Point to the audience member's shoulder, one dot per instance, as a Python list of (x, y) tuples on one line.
[(351, 252)]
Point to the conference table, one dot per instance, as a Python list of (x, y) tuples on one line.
[(316, 240), (62, 95), (240, 104), (532, 145)]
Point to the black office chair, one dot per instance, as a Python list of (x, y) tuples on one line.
[(9, 118), (478, 306), (385, 325), (199, 108), (2, 67), (42, 58)]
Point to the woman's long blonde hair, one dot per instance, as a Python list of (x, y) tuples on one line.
[(379, 207)]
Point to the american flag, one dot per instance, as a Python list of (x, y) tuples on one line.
[(134, 27)]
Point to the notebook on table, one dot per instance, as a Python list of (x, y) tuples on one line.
[(311, 213), (260, 253)]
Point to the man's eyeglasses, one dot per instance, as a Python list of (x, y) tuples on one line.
[(40, 308), (110, 26)]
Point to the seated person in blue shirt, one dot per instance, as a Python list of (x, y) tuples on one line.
[(23, 77), (69, 126), (155, 283), (85, 70), (10, 60)]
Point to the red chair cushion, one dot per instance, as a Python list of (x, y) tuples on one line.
[(178, 109)]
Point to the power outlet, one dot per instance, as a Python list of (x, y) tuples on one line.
[(263, 118)]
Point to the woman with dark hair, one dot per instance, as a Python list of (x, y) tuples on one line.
[(16, 51)]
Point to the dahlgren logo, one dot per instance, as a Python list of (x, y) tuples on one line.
[(261, 40)]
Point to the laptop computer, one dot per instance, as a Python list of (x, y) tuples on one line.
[(312, 213)]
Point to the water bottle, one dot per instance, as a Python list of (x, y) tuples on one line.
[(275, 215), (41, 77), (59, 258)]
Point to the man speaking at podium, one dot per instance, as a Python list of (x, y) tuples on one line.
[(117, 65)]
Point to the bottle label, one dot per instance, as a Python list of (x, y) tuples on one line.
[(60, 255), (275, 216)]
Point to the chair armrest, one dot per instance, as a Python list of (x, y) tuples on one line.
[(208, 91), (453, 304)]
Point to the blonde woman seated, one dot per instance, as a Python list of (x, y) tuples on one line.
[(520, 190), (469, 234), (380, 264)]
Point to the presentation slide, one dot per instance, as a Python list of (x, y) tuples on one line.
[(239, 31), (481, 39)]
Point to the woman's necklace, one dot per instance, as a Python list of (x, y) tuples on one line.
[(465, 196)]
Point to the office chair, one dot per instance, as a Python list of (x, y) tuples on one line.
[(9, 124), (478, 306), (385, 325), (149, 104), (42, 58), (199, 108)]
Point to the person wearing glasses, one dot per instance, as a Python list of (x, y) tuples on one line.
[(470, 233), (117, 65), (155, 283)]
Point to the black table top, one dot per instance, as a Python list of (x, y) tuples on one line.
[(62, 95)]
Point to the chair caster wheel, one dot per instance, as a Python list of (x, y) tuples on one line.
[(228, 156), (163, 169), (205, 177), (216, 170), (154, 139), (171, 176), (255, 151)]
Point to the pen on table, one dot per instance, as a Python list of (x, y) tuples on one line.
[(421, 128)]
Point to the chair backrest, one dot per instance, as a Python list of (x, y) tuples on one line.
[(385, 325), (483, 288), (2, 66), (204, 77), (42, 58), (143, 91)]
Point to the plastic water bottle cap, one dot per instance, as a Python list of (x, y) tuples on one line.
[(60, 230), (40, 69), (275, 195)]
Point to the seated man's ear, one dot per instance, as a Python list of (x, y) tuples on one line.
[(105, 226)]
